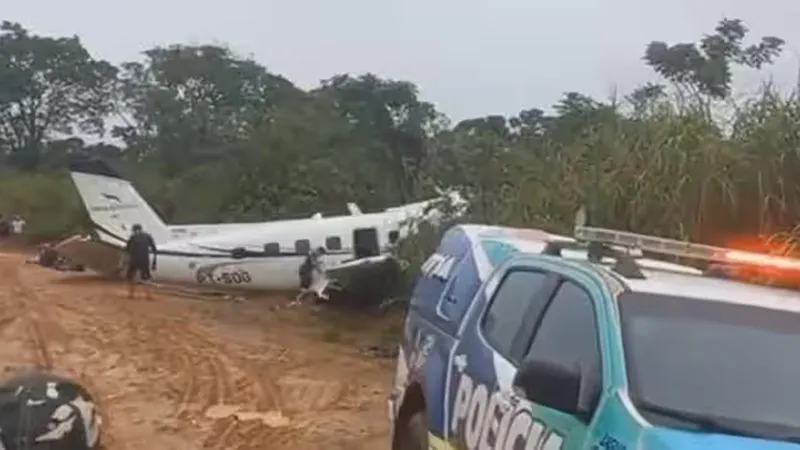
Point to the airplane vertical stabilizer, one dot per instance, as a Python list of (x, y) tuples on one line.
[(112, 202)]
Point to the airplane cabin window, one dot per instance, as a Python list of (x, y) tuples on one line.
[(273, 248), (302, 246), (394, 236), (333, 243)]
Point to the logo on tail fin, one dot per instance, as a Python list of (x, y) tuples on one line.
[(111, 197)]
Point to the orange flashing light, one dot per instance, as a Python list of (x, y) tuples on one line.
[(757, 259)]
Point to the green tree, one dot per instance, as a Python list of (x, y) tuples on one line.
[(530, 122), (185, 104), (392, 125), (705, 67), (48, 86), (493, 124)]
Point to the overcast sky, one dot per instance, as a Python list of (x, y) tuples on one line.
[(470, 57)]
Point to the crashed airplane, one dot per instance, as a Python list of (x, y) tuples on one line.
[(254, 256)]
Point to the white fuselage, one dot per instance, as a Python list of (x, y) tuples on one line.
[(271, 254)]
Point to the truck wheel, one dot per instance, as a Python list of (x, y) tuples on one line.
[(413, 433)]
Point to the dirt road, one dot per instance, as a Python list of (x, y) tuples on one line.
[(175, 373)]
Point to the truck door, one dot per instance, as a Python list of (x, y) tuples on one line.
[(481, 406), (567, 336)]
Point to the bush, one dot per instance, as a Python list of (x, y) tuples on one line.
[(47, 201)]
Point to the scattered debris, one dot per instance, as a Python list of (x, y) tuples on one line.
[(47, 256)]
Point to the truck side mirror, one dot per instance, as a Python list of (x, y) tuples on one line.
[(549, 385)]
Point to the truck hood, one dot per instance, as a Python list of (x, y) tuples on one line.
[(670, 439)]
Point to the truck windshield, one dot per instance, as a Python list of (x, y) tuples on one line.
[(713, 365)]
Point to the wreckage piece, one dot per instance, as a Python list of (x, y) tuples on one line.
[(89, 252), (362, 284)]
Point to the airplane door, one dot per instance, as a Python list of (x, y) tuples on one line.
[(365, 242)]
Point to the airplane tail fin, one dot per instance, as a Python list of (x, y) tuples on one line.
[(112, 202)]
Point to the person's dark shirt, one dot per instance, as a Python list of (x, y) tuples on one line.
[(139, 246)]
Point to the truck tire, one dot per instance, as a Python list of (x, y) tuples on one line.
[(413, 433)]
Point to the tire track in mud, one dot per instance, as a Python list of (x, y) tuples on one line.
[(17, 345), (26, 308), (204, 375), (44, 319), (276, 397), (197, 371), (274, 404), (110, 327), (310, 410), (11, 311), (143, 339), (262, 405), (214, 378)]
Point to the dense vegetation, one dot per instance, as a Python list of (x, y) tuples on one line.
[(212, 136)]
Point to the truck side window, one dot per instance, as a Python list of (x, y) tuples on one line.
[(568, 336), (509, 306)]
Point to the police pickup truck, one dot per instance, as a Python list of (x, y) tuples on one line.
[(519, 339)]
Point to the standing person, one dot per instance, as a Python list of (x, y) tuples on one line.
[(137, 255), (17, 224), (311, 273)]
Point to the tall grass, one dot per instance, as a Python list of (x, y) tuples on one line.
[(672, 172)]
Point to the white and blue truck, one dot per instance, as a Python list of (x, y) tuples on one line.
[(523, 340)]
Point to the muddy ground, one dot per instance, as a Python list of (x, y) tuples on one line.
[(176, 373)]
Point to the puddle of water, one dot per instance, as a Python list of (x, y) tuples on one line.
[(268, 418)]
